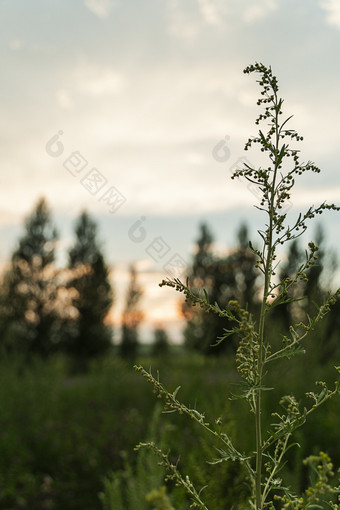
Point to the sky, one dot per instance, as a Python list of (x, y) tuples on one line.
[(137, 111)]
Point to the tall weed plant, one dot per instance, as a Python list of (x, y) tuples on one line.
[(255, 358)]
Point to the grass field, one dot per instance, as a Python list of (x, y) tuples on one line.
[(62, 434)]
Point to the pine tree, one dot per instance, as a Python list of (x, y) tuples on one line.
[(288, 313), (131, 318), (317, 288), (87, 335), (314, 292), (199, 330), (223, 278), (160, 346), (29, 290)]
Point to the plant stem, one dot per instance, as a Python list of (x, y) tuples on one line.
[(258, 405), (268, 275), (275, 468)]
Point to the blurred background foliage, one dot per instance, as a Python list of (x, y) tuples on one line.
[(73, 409)]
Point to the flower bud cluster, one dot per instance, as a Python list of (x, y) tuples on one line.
[(247, 353)]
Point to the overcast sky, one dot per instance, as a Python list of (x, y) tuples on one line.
[(118, 107)]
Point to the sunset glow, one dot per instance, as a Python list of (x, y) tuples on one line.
[(138, 111)]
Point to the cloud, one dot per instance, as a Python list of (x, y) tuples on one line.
[(210, 12), (332, 8), (186, 21), (259, 10), (9, 217), (101, 8), (183, 24), (15, 44), (104, 82), (64, 99), (304, 197), (89, 81)]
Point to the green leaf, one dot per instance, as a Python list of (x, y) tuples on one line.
[(228, 332), (230, 313), (206, 296), (176, 391), (263, 139)]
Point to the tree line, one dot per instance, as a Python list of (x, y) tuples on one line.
[(235, 277), (45, 309)]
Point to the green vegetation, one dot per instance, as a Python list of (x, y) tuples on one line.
[(261, 347), (68, 431), (64, 437)]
